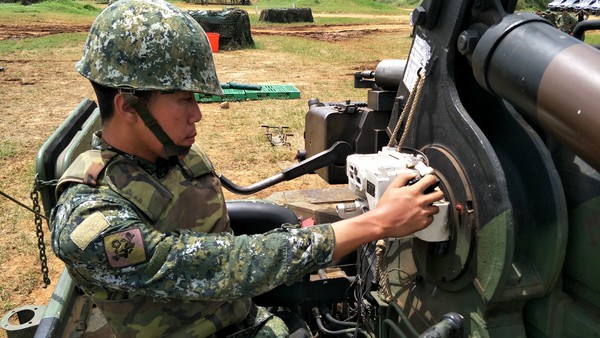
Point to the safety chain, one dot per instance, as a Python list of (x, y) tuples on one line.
[(38, 226)]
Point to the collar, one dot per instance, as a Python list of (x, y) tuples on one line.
[(160, 168)]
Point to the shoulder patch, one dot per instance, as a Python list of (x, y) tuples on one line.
[(125, 248), (89, 229)]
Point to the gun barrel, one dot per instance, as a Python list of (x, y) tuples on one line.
[(552, 78)]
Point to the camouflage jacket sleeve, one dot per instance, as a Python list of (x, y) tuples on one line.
[(107, 246)]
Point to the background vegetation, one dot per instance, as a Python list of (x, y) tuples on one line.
[(330, 5), (35, 101)]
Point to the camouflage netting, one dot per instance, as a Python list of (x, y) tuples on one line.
[(233, 24), (286, 15)]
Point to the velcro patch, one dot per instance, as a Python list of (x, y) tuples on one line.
[(89, 229), (125, 248)]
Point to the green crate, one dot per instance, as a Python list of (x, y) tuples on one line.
[(269, 91), (266, 92), (228, 95)]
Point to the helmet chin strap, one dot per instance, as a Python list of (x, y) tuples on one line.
[(172, 151)]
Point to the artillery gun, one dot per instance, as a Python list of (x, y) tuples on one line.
[(504, 108)]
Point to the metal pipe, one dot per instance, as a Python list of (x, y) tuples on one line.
[(393, 306), (552, 78), (585, 26), (322, 328), (330, 318), (337, 153), (397, 330)]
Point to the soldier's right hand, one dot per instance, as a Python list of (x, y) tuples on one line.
[(404, 209)]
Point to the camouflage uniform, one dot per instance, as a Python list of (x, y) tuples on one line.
[(548, 15), (154, 250)]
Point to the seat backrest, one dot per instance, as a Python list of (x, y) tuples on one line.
[(69, 140), (250, 217)]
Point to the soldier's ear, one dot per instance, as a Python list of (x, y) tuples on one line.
[(123, 109)]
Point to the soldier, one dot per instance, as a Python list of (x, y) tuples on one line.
[(582, 15), (566, 22), (548, 15), (141, 222)]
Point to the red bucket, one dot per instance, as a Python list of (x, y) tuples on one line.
[(213, 39)]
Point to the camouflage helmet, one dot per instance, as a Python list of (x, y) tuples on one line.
[(148, 45)]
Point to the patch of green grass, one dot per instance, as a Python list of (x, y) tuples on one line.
[(7, 305), (10, 216), (27, 176), (7, 149), (317, 21), (337, 6), (592, 38), (310, 50), (27, 243), (43, 43), (51, 7), (290, 117)]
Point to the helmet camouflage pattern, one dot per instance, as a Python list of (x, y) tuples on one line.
[(149, 45)]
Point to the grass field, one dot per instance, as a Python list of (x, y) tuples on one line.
[(39, 87)]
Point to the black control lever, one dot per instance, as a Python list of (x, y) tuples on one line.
[(429, 189), (337, 153)]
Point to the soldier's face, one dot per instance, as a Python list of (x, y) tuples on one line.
[(177, 114)]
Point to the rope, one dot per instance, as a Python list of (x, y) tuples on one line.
[(402, 115), (410, 105), (380, 248), (382, 273), (420, 84)]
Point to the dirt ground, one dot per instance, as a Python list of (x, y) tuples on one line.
[(37, 93), (12, 31), (320, 32)]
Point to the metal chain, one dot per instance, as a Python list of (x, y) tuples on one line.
[(39, 230)]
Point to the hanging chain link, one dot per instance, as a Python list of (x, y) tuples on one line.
[(35, 197)]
